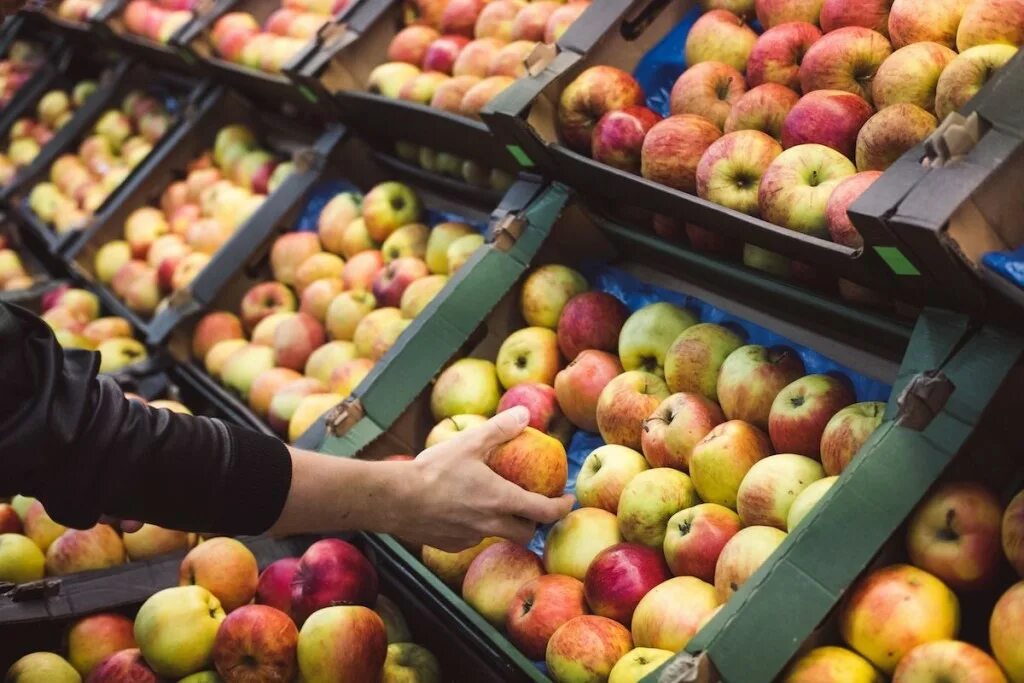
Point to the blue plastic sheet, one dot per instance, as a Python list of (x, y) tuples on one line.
[(1007, 264), (661, 66)]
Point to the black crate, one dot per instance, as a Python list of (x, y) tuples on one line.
[(109, 24)]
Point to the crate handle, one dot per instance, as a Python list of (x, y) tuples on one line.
[(540, 57), (632, 27), (923, 399), (953, 140), (341, 418), (687, 668), (34, 590), (507, 231)]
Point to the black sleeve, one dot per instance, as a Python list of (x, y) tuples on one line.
[(72, 440)]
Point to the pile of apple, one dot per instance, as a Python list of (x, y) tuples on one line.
[(237, 36), (454, 166), (27, 135), (340, 298), (903, 620), (792, 125), (157, 20), (23, 58), (78, 10), (165, 247), (13, 275), (456, 55), (715, 449), (319, 618), (80, 183)]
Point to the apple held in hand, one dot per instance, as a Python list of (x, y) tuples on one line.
[(594, 93), (579, 386), (730, 171), (892, 610), (649, 500), (586, 649), (625, 403), (693, 362), (533, 461), (576, 539), (720, 36), (769, 489), (540, 607), (673, 148), (707, 89), (695, 537), (967, 74), (955, 535), (831, 664), (467, 386), (620, 576), (494, 578), (618, 137), (796, 188), (592, 320), (778, 53), (722, 459), (743, 555), (672, 613), (529, 355), (176, 630), (342, 643)]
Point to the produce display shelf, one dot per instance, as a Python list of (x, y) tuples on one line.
[(109, 22), (76, 29), (53, 46)]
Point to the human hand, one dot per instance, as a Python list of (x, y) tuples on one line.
[(454, 500)]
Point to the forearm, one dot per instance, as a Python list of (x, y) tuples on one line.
[(331, 494)]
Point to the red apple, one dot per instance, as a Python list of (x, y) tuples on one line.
[(579, 386), (949, 660), (695, 537), (275, 584), (533, 461), (708, 89), (295, 339), (332, 572), (590, 96), (827, 117), (392, 281), (496, 19), (675, 427), (10, 522), (475, 57), (890, 134), (591, 320), (532, 20), (872, 14), (619, 136), (591, 643), (1013, 533), (94, 638), (801, 411), (620, 576), (771, 13), (763, 108), (846, 432), (258, 643), (288, 253), (125, 665), (540, 607), (265, 299), (494, 578), (937, 21), (750, 379), (673, 148), (410, 44), (539, 399), (342, 643), (460, 16), (442, 53), (845, 59), (625, 403)]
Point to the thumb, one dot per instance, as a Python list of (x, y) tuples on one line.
[(500, 429)]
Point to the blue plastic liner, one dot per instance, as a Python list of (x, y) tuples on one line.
[(1007, 264), (327, 190)]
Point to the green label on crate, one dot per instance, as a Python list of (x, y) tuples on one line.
[(308, 93), (520, 156), (896, 261), (187, 56)]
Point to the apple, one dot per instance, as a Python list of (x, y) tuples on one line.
[(587, 648), (693, 361), (106, 328), (796, 188), (579, 386), (389, 78), (497, 18), (411, 662), (394, 623), (638, 663), (117, 354), (831, 664), (342, 643), (110, 258), (407, 241), (545, 293), (675, 427), (387, 207), (533, 461), (955, 535), (719, 36), (672, 613), (967, 74), (423, 86), (649, 500), (769, 488), (361, 270), (721, 460), (40, 667), (219, 353), (21, 560), (892, 610), (309, 411), (224, 567), (286, 400), (274, 587), (151, 541), (511, 59), (911, 75), (126, 664), (750, 379), (355, 239), (475, 58), (591, 320), (265, 299), (495, 576), (949, 660), (989, 22), (187, 269), (625, 403), (807, 500), (469, 385), (846, 432), (377, 332), (295, 339), (460, 251), (438, 241), (243, 367), (349, 375), (802, 410), (694, 539), (575, 540), (483, 92), (319, 295), (909, 22), (450, 427), (346, 311), (1013, 534), (620, 576), (265, 387), (176, 628), (619, 135), (562, 18), (324, 360), (595, 92), (730, 171), (452, 567), (872, 14), (845, 59), (460, 16), (316, 267), (539, 399), (263, 333), (648, 333), (40, 527), (256, 642), (1004, 631), (334, 221), (10, 520), (209, 676), (418, 295), (78, 550), (763, 108), (771, 13), (539, 608), (605, 474), (891, 133), (530, 23), (94, 638), (826, 117), (410, 44), (743, 555), (841, 229), (529, 355), (332, 572), (708, 90)]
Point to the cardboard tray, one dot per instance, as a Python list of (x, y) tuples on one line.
[(39, 619), (119, 78), (355, 162), (271, 89), (336, 72), (110, 26), (523, 119), (306, 145)]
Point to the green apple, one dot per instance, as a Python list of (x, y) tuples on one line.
[(647, 335), (389, 206), (807, 500), (467, 386), (42, 667), (175, 630), (21, 504), (649, 501), (21, 560), (769, 488), (637, 663), (694, 359), (119, 353), (394, 622), (411, 663), (244, 366), (605, 473), (546, 291), (461, 249), (796, 187), (441, 237), (202, 677), (528, 355), (451, 427)]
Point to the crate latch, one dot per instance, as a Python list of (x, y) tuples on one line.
[(540, 57), (343, 416), (33, 590), (687, 668), (923, 399), (508, 230)]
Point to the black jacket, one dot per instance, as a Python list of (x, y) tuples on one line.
[(71, 439)]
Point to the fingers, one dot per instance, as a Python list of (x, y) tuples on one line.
[(515, 529), (538, 508), (130, 526), (505, 426)]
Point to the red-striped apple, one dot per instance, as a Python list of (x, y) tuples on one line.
[(694, 539)]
